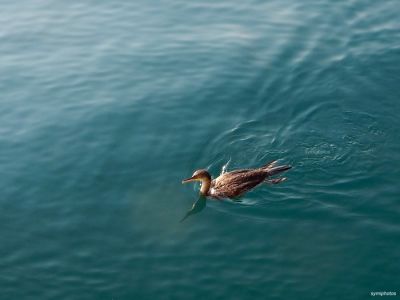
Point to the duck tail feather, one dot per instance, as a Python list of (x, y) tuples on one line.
[(276, 180), (278, 169), (270, 164)]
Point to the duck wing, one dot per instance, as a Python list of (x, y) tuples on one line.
[(236, 183)]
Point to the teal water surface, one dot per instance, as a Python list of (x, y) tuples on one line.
[(107, 106)]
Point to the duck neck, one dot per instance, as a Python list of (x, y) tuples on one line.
[(205, 186)]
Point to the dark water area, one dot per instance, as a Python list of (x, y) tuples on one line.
[(106, 106)]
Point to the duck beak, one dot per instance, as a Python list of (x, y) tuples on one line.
[(189, 180)]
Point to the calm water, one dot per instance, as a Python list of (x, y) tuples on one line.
[(106, 106)]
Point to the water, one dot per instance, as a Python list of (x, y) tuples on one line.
[(107, 106)]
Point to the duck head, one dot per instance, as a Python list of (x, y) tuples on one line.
[(204, 177)]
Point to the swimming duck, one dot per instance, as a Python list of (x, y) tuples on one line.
[(235, 183)]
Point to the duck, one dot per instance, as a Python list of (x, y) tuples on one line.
[(236, 183)]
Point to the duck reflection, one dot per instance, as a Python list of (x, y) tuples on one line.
[(197, 207)]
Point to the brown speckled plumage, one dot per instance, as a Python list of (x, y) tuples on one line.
[(236, 183)]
